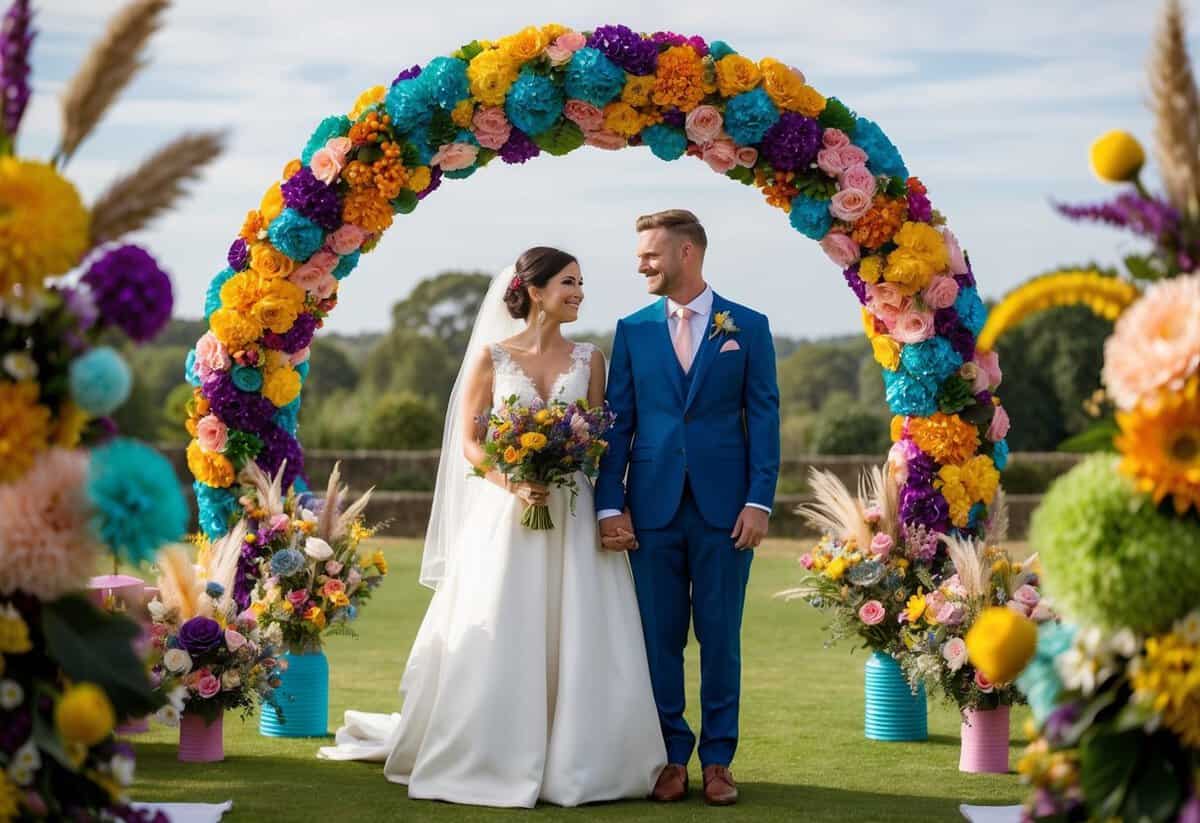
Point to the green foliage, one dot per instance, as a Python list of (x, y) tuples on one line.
[(407, 360), (402, 421), (157, 371), (444, 307), (818, 369), (844, 426)]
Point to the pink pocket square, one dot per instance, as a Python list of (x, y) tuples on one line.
[(730, 345)]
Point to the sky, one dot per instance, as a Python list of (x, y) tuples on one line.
[(993, 106)]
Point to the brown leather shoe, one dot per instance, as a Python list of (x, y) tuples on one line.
[(719, 787), (672, 784)]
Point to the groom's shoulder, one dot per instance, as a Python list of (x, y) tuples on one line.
[(742, 315), (646, 314)]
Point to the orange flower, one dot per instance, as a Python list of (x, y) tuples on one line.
[(947, 438), (374, 128), (880, 224), (367, 209), (638, 90), (779, 190), (291, 168), (251, 226), (679, 80), (736, 74), (358, 175)]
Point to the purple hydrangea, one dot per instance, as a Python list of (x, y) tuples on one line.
[(247, 411), (519, 148), (793, 142), (435, 181), (626, 48), (919, 207), (16, 35), (674, 117), (296, 338), (408, 74), (923, 506), (856, 283), (279, 446), (131, 292), (315, 200), (670, 38), (239, 255), (949, 325)]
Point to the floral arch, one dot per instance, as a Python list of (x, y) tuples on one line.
[(552, 90)]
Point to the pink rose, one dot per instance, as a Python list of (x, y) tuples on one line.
[(897, 460), (989, 361), (211, 355), (834, 139), (721, 155), (881, 545), (850, 204), (326, 165), (886, 300), (278, 522), (491, 127), (572, 41), (353, 578), (913, 326), (806, 560), (1027, 596), (941, 292), (301, 356), (949, 614), (958, 261), (954, 585), (455, 156), (998, 429), (851, 156), (297, 597), (212, 433), (234, 640), (954, 651), (248, 619), (747, 156), (858, 177), (346, 239), (872, 613), (841, 249), (333, 587), (207, 685), (312, 272), (585, 115), (872, 514), (608, 140), (558, 55), (703, 124), (333, 567), (984, 685), (339, 147), (1042, 612), (1019, 608), (325, 286), (830, 161)]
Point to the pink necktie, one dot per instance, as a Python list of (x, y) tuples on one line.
[(683, 337)]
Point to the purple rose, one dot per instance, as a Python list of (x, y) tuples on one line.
[(200, 635)]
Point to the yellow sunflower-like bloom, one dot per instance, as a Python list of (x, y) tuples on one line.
[(368, 98), (281, 386), (1168, 678), (679, 80), (84, 714), (947, 438), (210, 468), (736, 74), (1160, 446), (24, 428), (43, 224), (490, 74)]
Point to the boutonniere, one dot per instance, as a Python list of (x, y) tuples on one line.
[(723, 325)]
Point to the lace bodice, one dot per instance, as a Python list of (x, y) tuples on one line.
[(509, 378)]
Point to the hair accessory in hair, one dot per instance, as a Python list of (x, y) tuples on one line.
[(515, 283)]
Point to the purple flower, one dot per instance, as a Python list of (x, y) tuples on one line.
[(16, 35), (296, 338), (408, 74), (793, 142), (131, 292), (965, 281), (670, 38), (1059, 721), (626, 48), (248, 411), (919, 207), (949, 325), (239, 255), (1147, 216), (519, 148), (313, 199), (279, 446), (856, 283), (200, 635), (1190, 813), (924, 506)]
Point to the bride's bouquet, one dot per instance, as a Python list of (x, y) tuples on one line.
[(546, 443)]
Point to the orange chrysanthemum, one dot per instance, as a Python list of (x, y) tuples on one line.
[(252, 226), (679, 81), (374, 128), (947, 438), (367, 209), (880, 224), (1160, 446)]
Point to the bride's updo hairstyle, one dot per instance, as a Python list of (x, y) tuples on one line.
[(534, 267)]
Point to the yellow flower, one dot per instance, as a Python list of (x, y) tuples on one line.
[(870, 269), (638, 89), (69, 427), (553, 31), (525, 45), (286, 606), (1160, 446), (259, 608), (922, 253), (896, 428), (947, 438), (233, 329), (10, 798), (242, 290), (1000, 643), (533, 441), (542, 417), (294, 165), (908, 270), (279, 306), (272, 203), (490, 74), (368, 98), (269, 262), (787, 89), (24, 428), (1168, 678), (900, 563), (339, 600), (510, 455), (463, 113), (736, 74), (418, 178), (836, 568), (316, 616), (210, 468), (14, 633), (622, 118), (44, 227), (950, 485), (281, 386), (1117, 157), (84, 714), (886, 351), (916, 606), (679, 79), (379, 561), (980, 478)]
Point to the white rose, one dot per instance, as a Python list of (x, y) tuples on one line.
[(177, 697), (955, 652), (11, 694), (231, 680), (122, 769), (318, 549), (177, 661), (168, 716), (157, 610)]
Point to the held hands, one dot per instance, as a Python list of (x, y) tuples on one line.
[(750, 529), (532, 494), (616, 533)]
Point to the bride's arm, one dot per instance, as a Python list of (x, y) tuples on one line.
[(476, 403), (598, 377)]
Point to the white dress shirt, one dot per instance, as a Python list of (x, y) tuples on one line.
[(701, 308)]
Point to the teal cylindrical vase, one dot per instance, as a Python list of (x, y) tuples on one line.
[(893, 712), (303, 699)]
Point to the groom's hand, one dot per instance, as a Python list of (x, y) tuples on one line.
[(616, 533), (750, 529)]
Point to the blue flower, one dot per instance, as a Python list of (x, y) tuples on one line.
[(247, 378), (883, 158), (215, 506), (534, 103), (971, 310), (409, 105), (931, 361), (212, 298), (749, 115), (137, 500), (906, 395), (214, 589), (665, 142), (1039, 682), (287, 562), (295, 235), (346, 264), (977, 511), (286, 417), (445, 80), (300, 484), (302, 370), (1000, 455), (351, 612), (810, 216), (719, 49), (593, 78), (100, 381), (189, 369), (327, 128)]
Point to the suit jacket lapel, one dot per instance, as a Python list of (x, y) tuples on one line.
[(708, 351), (667, 358)]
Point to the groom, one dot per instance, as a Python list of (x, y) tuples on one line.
[(689, 481)]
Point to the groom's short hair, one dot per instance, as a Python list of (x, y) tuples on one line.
[(679, 222)]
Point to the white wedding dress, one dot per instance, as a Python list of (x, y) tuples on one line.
[(528, 678)]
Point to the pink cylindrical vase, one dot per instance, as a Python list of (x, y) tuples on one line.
[(131, 591), (984, 741), (201, 742)]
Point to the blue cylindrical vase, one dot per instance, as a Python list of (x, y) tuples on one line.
[(303, 698), (893, 712)]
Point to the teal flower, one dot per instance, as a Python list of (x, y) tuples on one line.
[(665, 143), (247, 378), (346, 265), (445, 81), (749, 115), (295, 235), (906, 395), (409, 105), (212, 297), (719, 49), (810, 216), (136, 496), (931, 361), (215, 507), (100, 381), (534, 103), (883, 158), (328, 128), (971, 310), (593, 78)]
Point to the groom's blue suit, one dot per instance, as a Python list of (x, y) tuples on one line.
[(687, 452)]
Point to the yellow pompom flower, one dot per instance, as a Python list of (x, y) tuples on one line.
[(926, 242), (736, 74), (242, 291), (533, 441), (233, 329), (368, 98), (836, 568), (281, 386), (1160, 446), (210, 468), (870, 269), (419, 179), (84, 714), (489, 75), (679, 79), (463, 113), (638, 89), (886, 351), (24, 428), (525, 45), (622, 118), (1117, 157), (44, 227), (268, 261), (1000, 643), (950, 484), (272, 203), (947, 438)]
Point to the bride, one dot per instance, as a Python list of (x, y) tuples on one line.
[(528, 678)]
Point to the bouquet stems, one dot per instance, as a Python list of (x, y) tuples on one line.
[(537, 518)]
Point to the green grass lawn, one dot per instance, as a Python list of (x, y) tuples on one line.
[(802, 754)]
